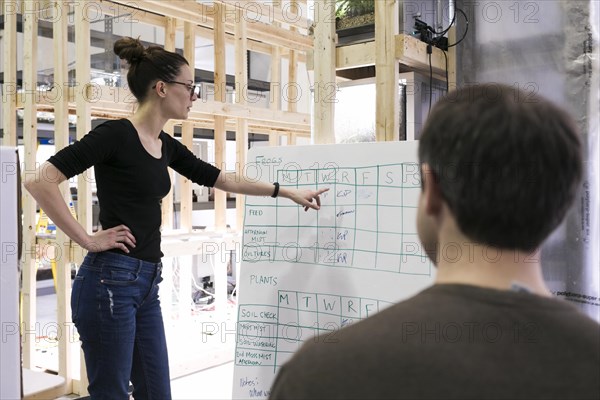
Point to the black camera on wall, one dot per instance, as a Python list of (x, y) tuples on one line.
[(425, 34)]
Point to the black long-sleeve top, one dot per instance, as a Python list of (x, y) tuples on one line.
[(130, 182)]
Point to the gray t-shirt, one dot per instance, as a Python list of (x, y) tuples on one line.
[(453, 341)]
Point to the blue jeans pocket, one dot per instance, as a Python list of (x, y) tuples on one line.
[(75, 295), (111, 275)]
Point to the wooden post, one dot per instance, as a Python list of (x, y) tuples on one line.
[(386, 71), (186, 203), (325, 85), (84, 125), (275, 86), (241, 91), (170, 33), (187, 133), (292, 99), (30, 35), (275, 90), (452, 59), (220, 96), (9, 87), (185, 186), (84, 192), (274, 138), (167, 202), (292, 139), (61, 140)]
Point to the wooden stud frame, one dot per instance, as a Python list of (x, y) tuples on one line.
[(9, 89), (386, 67), (61, 140), (84, 190), (220, 96), (30, 249), (324, 85), (286, 36), (241, 82)]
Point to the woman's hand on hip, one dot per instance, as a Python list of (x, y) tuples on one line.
[(118, 237)]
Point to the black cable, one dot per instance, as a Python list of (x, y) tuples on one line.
[(447, 29), (429, 50), (466, 28), (435, 42), (446, 57)]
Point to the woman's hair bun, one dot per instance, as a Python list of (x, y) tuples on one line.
[(129, 49)]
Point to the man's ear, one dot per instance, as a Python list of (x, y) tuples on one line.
[(432, 195)]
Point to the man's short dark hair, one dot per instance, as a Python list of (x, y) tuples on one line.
[(508, 163)]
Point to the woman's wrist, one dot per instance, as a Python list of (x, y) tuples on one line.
[(86, 242), (283, 192)]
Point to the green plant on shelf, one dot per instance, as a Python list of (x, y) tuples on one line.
[(353, 8)]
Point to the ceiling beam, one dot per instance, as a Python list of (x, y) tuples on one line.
[(203, 15)]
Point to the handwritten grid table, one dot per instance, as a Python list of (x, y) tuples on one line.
[(268, 335), (366, 221)]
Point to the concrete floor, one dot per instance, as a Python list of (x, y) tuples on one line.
[(201, 366)]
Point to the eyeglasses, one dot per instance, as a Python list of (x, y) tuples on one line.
[(194, 89)]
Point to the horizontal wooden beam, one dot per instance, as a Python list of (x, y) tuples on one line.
[(355, 56), (134, 15), (269, 10), (124, 11), (203, 15), (410, 52), (203, 121), (250, 113), (263, 127), (111, 102)]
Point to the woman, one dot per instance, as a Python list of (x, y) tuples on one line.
[(115, 294)]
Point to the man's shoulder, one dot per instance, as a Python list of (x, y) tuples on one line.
[(365, 334), (449, 308), (421, 336)]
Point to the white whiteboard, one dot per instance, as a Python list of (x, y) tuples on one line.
[(311, 273), (10, 347)]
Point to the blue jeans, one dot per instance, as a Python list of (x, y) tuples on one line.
[(117, 313)]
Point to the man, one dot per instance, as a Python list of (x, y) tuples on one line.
[(500, 169)]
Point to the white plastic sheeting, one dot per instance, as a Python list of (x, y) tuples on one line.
[(549, 47)]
